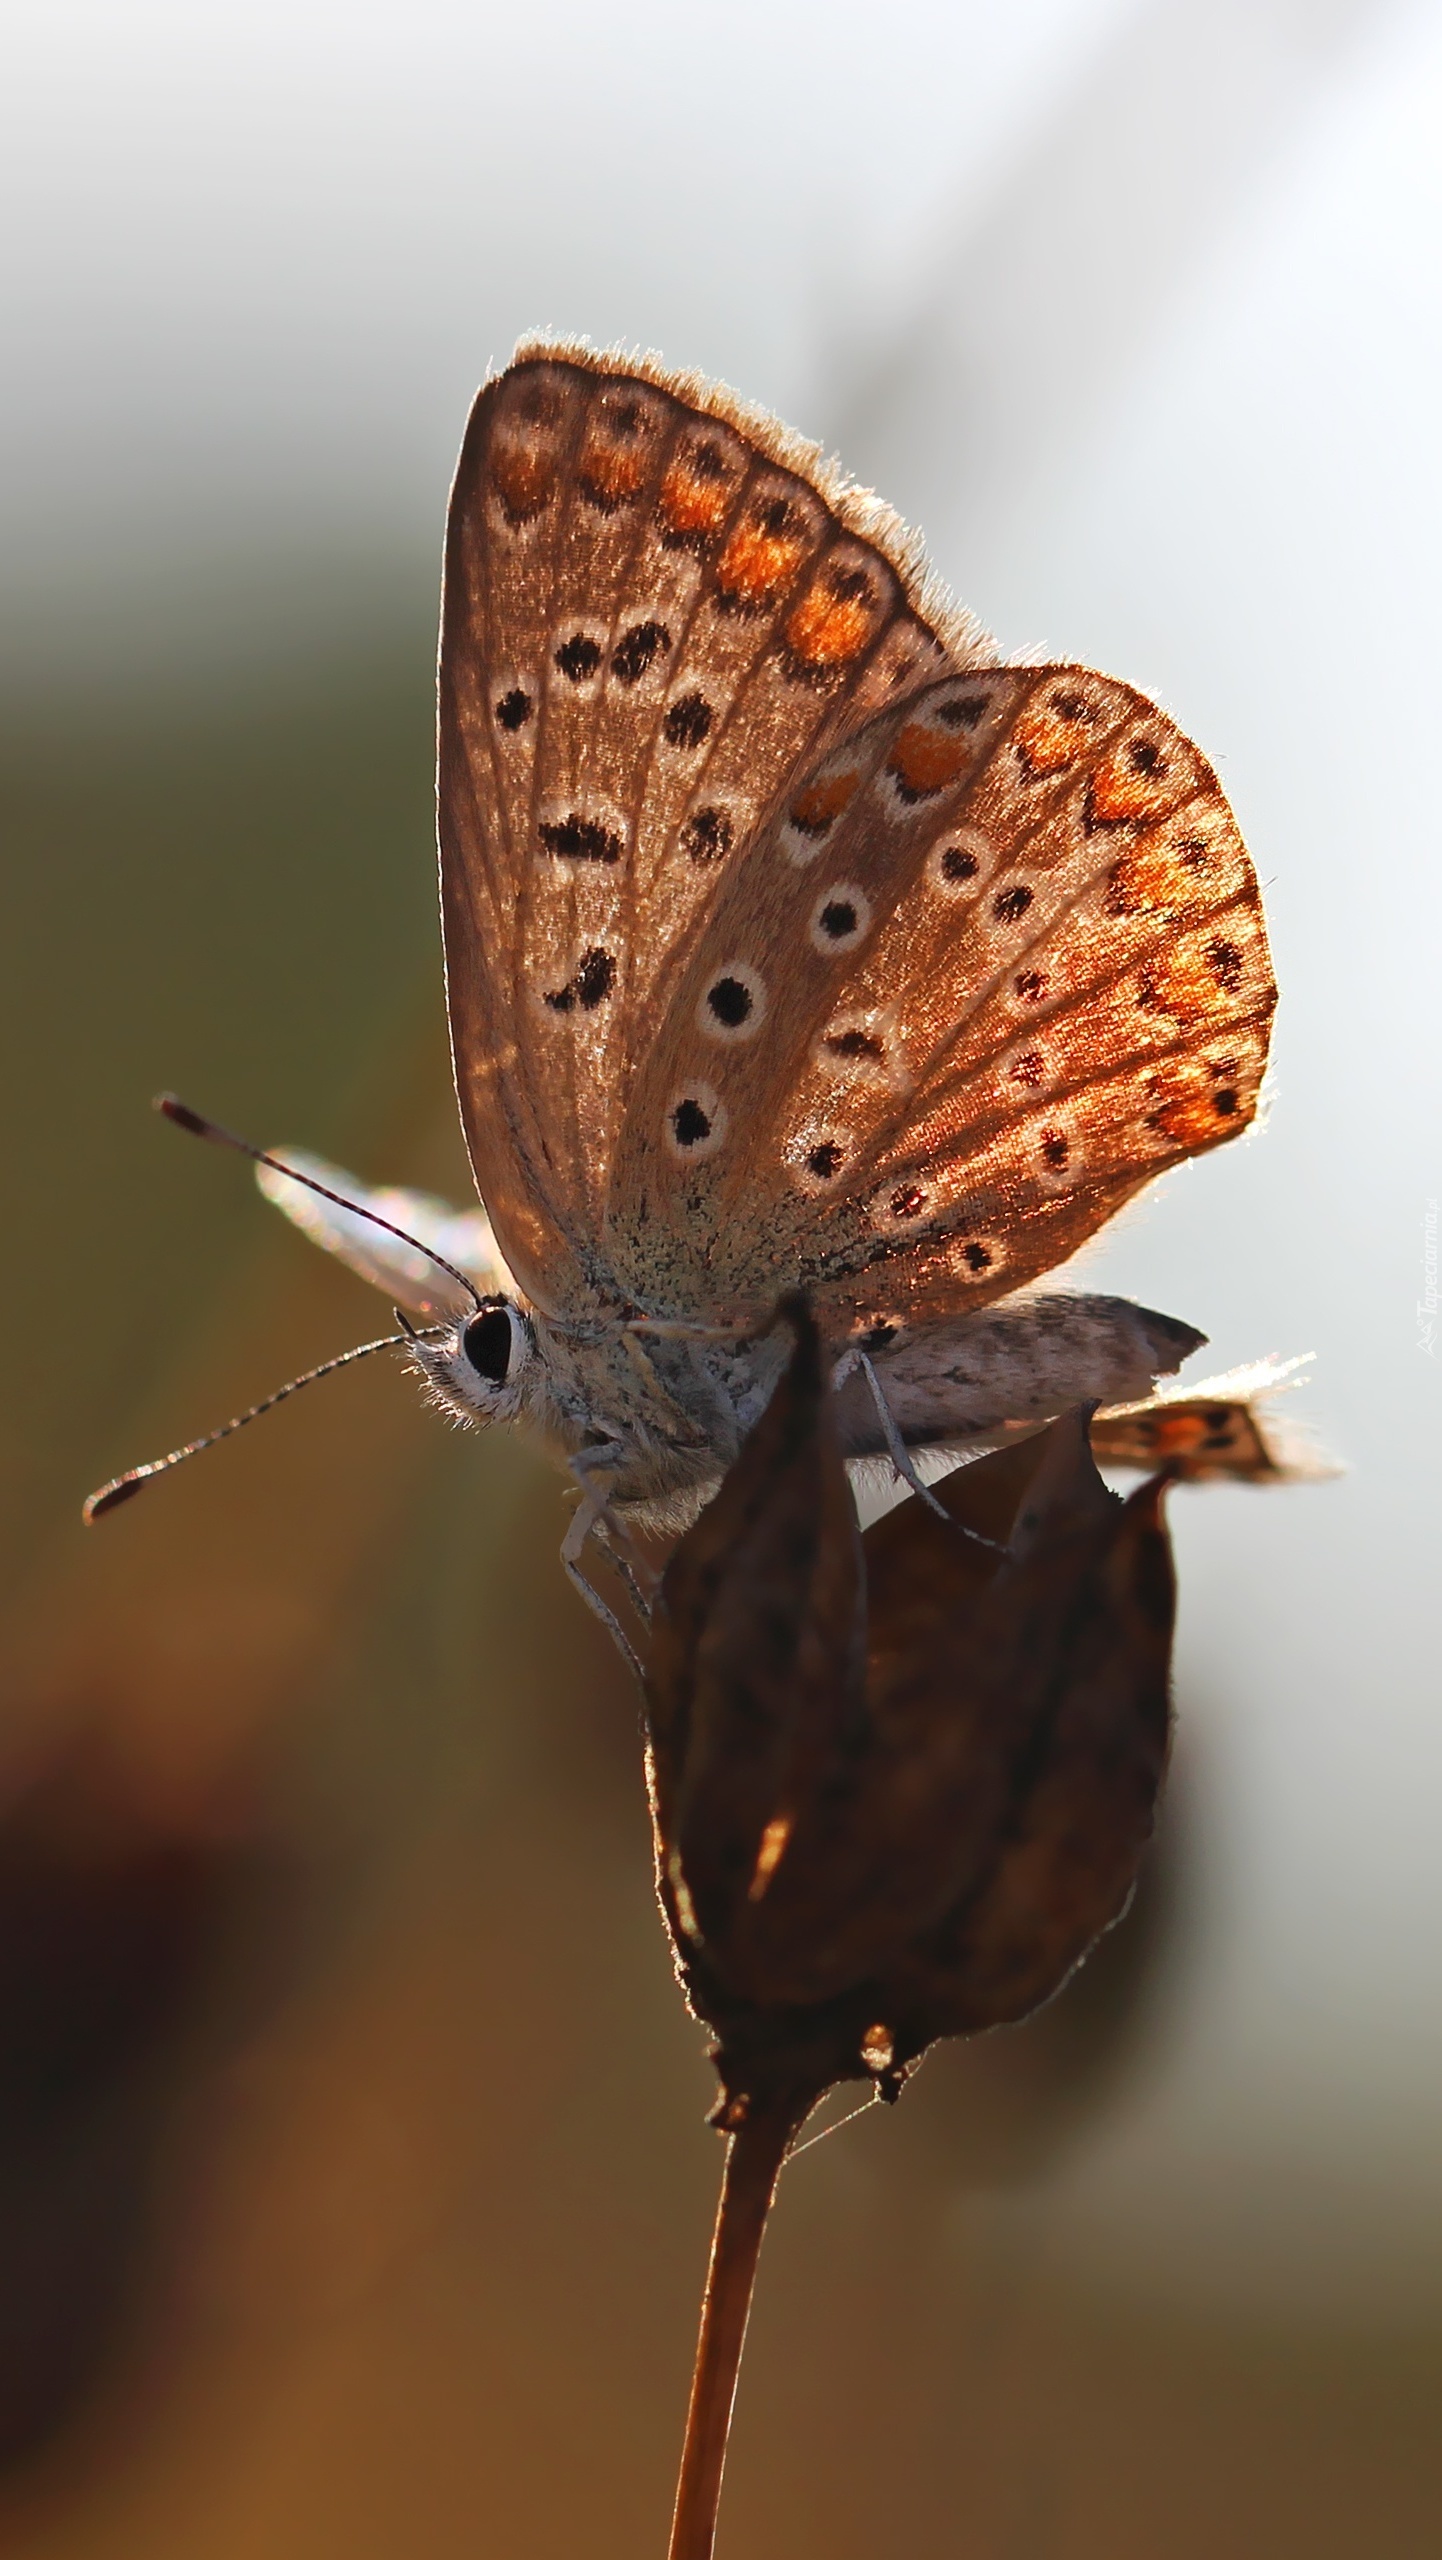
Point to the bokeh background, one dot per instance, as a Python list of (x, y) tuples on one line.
[(354, 2190)]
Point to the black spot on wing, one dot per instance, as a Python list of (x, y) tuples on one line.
[(577, 839), (731, 1002), (707, 835), (856, 1044), (688, 722), (590, 986), (908, 1202), (636, 648), (578, 657)]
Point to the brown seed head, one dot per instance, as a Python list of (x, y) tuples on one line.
[(901, 1783)]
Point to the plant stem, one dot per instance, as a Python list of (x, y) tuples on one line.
[(754, 2156)]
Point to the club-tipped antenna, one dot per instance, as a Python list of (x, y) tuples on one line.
[(120, 1488), (172, 1108)]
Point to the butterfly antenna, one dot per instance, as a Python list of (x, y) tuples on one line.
[(121, 1488), (171, 1106)]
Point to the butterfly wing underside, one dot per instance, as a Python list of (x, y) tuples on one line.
[(658, 607), (1230, 1429), (997, 961), (789, 936)]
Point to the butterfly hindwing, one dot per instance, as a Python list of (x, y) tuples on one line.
[(658, 609), (998, 960)]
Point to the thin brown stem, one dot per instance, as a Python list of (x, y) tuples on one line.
[(754, 2156)]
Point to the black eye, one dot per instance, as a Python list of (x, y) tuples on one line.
[(486, 1343)]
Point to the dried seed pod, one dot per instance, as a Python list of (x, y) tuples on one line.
[(900, 1784), (1067, 1679), (757, 1670)]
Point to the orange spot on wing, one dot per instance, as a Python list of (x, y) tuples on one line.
[(1172, 1433), (1197, 1103), (1179, 984), (1047, 743), (926, 760), (827, 630), (1156, 875), (755, 563), (616, 473), (1119, 795), (690, 504), (823, 800), (525, 479)]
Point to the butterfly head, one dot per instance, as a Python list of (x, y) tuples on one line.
[(478, 1367)]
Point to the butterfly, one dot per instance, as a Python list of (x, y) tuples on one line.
[(793, 939)]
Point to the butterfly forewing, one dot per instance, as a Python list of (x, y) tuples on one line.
[(789, 936), (996, 961), (657, 614)]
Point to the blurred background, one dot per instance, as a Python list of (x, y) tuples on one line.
[(354, 2189)]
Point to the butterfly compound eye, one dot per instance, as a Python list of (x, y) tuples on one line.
[(489, 1342)]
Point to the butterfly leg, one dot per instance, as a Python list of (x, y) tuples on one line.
[(635, 1575), (896, 1448), (640, 1581), (574, 1539), (590, 1517)]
